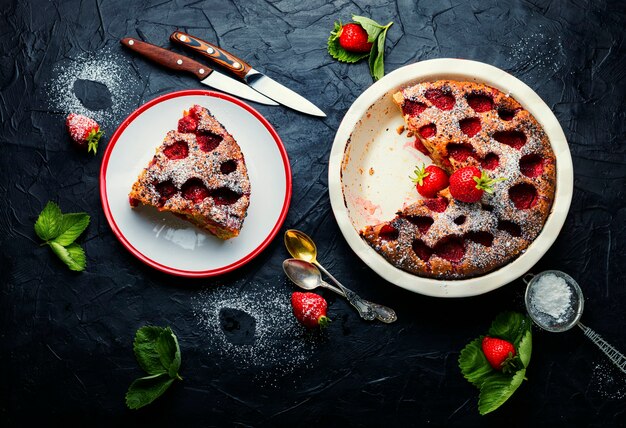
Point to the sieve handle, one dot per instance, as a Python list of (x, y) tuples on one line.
[(527, 278), (614, 355)]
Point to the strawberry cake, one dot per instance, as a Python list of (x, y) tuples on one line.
[(460, 125), (199, 174)]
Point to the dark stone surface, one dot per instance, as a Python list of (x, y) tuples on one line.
[(66, 338)]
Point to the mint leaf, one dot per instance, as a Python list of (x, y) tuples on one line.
[(498, 388), (371, 27), (157, 352), (376, 61), (525, 347), (169, 352), (474, 364), (72, 255), (145, 390), (145, 347), (59, 231), (72, 225), (48, 223), (336, 51), (510, 326)]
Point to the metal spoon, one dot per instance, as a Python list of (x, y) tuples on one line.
[(306, 275), (302, 247), (551, 324)]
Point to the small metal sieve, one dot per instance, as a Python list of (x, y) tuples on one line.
[(570, 318)]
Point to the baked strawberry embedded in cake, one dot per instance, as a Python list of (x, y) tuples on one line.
[(470, 126), (199, 174)]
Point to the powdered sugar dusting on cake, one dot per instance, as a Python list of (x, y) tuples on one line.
[(499, 227)]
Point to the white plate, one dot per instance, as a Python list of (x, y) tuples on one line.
[(368, 178), (173, 245)]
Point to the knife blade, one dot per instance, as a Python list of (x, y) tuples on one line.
[(207, 75), (254, 78)]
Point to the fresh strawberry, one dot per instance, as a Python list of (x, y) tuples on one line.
[(310, 309), (430, 180), (468, 184), (353, 38), (84, 132), (500, 353)]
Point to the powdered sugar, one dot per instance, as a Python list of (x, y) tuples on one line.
[(273, 344), (536, 56), (551, 295), (104, 67), (607, 381)]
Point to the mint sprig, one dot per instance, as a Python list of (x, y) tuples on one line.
[(158, 353), (496, 387), (376, 34), (59, 231)]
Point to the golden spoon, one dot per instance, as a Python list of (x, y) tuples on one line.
[(302, 247)]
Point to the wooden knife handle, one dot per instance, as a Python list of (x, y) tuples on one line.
[(230, 62), (167, 58)]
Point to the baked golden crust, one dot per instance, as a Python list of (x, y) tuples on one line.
[(200, 176), (469, 239)]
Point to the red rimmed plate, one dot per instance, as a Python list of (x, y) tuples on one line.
[(166, 242)]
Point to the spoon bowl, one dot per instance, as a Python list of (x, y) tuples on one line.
[(300, 245), (302, 273)]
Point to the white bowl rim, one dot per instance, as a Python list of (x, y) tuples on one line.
[(455, 69)]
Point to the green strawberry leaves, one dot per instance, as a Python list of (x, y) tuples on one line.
[(496, 387), (158, 354), (59, 231), (484, 182), (48, 223), (474, 364), (145, 347), (72, 255), (376, 34), (376, 61), (420, 175), (71, 226), (145, 390), (371, 27), (92, 141)]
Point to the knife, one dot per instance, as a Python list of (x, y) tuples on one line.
[(244, 71), (208, 76)]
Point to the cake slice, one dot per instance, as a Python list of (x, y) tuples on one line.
[(199, 174)]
